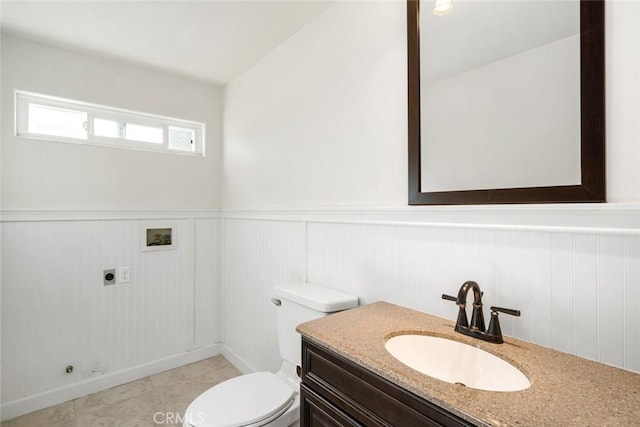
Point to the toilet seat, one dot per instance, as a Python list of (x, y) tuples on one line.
[(247, 400)]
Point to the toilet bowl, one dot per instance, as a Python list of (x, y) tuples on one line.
[(265, 398)]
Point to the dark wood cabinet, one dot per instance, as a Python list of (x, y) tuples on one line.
[(319, 412), (335, 391)]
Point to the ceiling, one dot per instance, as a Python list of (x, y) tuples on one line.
[(213, 40)]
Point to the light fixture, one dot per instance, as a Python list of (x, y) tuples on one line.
[(442, 7)]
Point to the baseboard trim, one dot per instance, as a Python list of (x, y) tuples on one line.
[(236, 360), (48, 398)]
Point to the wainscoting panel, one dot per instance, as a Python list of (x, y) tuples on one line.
[(578, 291), (573, 289), (56, 311), (207, 312), (631, 302), (258, 255), (578, 287)]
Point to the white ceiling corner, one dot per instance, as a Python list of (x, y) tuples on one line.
[(213, 40)]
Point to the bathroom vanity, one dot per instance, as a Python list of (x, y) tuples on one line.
[(338, 392), (349, 379)]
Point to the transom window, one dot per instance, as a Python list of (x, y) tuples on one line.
[(65, 120)]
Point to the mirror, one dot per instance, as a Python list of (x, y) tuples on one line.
[(506, 102)]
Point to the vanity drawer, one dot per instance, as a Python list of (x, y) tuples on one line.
[(319, 412), (364, 396)]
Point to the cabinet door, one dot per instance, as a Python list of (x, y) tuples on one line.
[(365, 397), (318, 412)]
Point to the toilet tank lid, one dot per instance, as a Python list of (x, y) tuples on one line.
[(324, 300)]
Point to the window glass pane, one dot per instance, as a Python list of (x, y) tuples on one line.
[(143, 133), (66, 120), (108, 128), (182, 139), (57, 121)]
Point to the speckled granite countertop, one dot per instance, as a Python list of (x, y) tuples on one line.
[(566, 390)]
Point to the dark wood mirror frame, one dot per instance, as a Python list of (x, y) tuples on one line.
[(592, 101)]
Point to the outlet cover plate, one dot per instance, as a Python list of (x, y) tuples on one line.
[(124, 274)]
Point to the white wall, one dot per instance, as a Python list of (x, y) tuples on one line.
[(622, 94), (1, 42), (321, 121), (578, 291), (57, 312), (71, 211), (256, 257), (44, 175)]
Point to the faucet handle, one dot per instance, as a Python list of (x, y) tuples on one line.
[(494, 330), (510, 311), (449, 298), (462, 321)]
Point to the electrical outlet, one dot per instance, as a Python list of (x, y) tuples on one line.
[(109, 276), (124, 274)]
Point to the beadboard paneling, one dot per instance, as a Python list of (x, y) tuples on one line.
[(56, 311), (571, 288), (207, 312), (631, 300), (578, 292), (610, 302), (258, 255)]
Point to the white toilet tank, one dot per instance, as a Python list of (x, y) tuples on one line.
[(300, 302)]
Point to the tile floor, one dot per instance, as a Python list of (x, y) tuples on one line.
[(150, 401)]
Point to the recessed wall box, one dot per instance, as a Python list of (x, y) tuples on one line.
[(109, 276), (158, 237)]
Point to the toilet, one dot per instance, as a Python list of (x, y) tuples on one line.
[(265, 398)]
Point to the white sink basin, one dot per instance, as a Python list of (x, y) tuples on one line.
[(456, 363)]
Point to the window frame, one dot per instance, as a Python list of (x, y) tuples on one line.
[(22, 99)]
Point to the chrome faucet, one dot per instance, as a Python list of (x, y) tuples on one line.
[(476, 329)]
